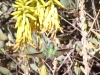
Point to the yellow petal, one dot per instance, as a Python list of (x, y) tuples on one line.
[(30, 16), (43, 70)]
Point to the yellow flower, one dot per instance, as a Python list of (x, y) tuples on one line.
[(35, 15), (24, 15)]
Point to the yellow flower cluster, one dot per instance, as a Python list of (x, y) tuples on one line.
[(35, 15), (24, 15)]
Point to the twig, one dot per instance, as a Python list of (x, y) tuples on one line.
[(69, 66), (82, 18), (89, 15), (48, 66), (94, 21), (70, 24), (65, 59), (94, 11), (17, 63)]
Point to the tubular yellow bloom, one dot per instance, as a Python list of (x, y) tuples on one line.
[(23, 14), (42, 1), (43, 70), (48, 3), (16, 12), (18, 21), (28, 2), (30, 16), (35, 15), (58, 3)]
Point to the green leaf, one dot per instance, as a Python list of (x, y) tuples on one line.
[(4, 8), (51, 52), (44, 53), (97, 54), (54, 52), (1, 13), (3, 37), (68, 3), (60, 58), (95, 41), (90, 46), (97, 34), (85, 26), (1, 44), (83, 70), (78, 45), (32, 50), (0, 74), (12, 65), (5, 71), (77, 69), (34, 67)]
